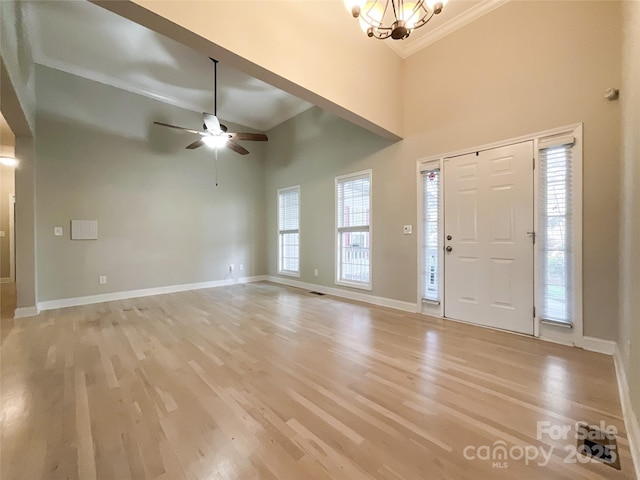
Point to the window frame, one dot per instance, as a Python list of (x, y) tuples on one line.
[(337, 253), (547, 154), (571, 334), (281, 271), (426, 168)]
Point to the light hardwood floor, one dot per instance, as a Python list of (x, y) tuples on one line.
[(262, 381)]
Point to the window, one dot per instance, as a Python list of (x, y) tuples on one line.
[(353, 222), (556, 230), (431, 235), (289, 231)]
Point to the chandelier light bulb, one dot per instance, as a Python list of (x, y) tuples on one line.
[(354, 7), (410, 14), (436, 5), (371, 15)]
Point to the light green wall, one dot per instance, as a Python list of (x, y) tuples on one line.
[(629, 339), (310, 150), (161, 219), (16, 55)]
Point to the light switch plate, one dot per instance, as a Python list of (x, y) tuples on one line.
[(57, 231), (407, 229)]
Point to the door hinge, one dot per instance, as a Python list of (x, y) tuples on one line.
[(534, 163), (534, 311), (533, 236)]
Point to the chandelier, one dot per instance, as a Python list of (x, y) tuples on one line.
[(393, 18)]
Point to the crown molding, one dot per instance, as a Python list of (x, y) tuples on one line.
[(407, 49)]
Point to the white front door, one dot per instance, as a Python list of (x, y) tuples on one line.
[(488, 220)]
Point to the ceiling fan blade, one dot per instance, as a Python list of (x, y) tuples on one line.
[(237, 148), (178, 128), (254, 137), (212, 123), (196, 144)]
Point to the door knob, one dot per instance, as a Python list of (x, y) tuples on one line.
[(449, 248)]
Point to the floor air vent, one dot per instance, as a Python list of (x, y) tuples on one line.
[(317, 293), (602, 446)]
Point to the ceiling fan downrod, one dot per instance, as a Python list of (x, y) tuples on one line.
[(215, 86)]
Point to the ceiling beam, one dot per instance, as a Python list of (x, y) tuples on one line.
[(313, 50)]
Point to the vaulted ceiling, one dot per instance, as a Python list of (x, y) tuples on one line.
[(87, 40)]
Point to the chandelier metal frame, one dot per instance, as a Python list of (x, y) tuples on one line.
[(393, 18)]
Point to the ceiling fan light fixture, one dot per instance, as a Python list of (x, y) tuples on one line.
[(214, 134), (382, 19), (215, 141)]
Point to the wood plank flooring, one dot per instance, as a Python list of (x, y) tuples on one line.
[(263, 381)]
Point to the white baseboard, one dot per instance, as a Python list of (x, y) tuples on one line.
[(630, 418), (348, 294), (593, 344), (145, 292), (24, 312)]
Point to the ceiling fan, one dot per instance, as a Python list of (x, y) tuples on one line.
[(214, 133)]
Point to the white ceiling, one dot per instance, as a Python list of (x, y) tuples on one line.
[(84, 39)]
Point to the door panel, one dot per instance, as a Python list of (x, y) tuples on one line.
[(488, 212)]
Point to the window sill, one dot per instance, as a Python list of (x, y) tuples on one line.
[(430, 302), (360, 286), (289, 273), (556, 323)]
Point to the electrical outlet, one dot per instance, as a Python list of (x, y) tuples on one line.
[(103, 279), (231, 267), (407, 229), (57, 231), (241, 267), (315, 272)]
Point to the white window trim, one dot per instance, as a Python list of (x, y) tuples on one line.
[(560, 333), (289, 273), (553, 333), (427, 306), (336, 276)]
